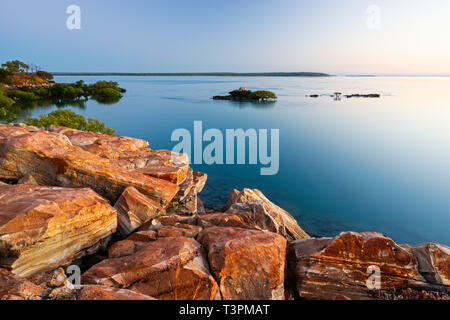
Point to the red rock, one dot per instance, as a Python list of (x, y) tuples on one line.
[(219, 219), (434, 262), (169, 220), (13, 287), (267, 215), (168, 268), (179, 231), (53, 160), (134, 209), (132, 244), (323, 268), (42, 228), (91, 292), (186, 200), (248, 264)]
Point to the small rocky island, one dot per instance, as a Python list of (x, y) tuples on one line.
[(130, 217), (338, 95), (242, 94)]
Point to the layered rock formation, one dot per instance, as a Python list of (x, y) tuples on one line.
[(247, 264), (42, 228), (167, 268), (366, 266), (63, 193)]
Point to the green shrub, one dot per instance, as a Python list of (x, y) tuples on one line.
[(44, 74), (262, 95), (107, 95), (22, 96), (7, 116), (5, 102), (70, 119)]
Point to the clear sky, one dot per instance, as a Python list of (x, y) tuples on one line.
[(412, 37)]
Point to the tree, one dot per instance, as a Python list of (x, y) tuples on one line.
[(16, 67), (68, 118), (262, 95), (44, 74)]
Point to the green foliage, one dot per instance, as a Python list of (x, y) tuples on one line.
[(22, 96), (16, 67), (70, 119), (6, 115), (4, 74), (262, 95), (5, 102), (44, 74)]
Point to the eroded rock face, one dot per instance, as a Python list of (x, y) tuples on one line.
[(186, 200), (434, 262), (13, 287), (90, 292), (54, 160), (42, 228), (168, 268), (134, 209), (130, 153), (247, 264), (265, 214), (324, 268)]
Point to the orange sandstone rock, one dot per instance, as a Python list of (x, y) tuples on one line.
[(248, 264), (42, 228), (266, 215), (168, 268)]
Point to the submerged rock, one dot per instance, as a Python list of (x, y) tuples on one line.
[(42, 228)]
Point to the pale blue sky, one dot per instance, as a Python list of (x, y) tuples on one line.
[(229, 35)]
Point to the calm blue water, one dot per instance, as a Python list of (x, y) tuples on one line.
[(356, 164)]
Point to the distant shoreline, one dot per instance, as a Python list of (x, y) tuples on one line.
[(201, 74)]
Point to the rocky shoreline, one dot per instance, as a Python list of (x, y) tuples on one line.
[(132, 219)]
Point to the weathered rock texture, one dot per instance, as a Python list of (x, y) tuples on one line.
[(265, 214), (90, 292), (54, 160), (42, 228), (346, 265), (134, 209), (57, 188), (168, 268), (247, 264)]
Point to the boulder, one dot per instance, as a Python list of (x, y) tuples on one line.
[(434, 262), (13, 287), (134, 209), (186, 200), (182, 230), (265, 214), (92, 292), (242, 219), (248, 264), (348, 264), (130, 153), (168, 269), (132, 244), (54, 160), (42, 228)]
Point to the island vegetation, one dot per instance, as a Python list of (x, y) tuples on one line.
[(24, 86), (242, 94)]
